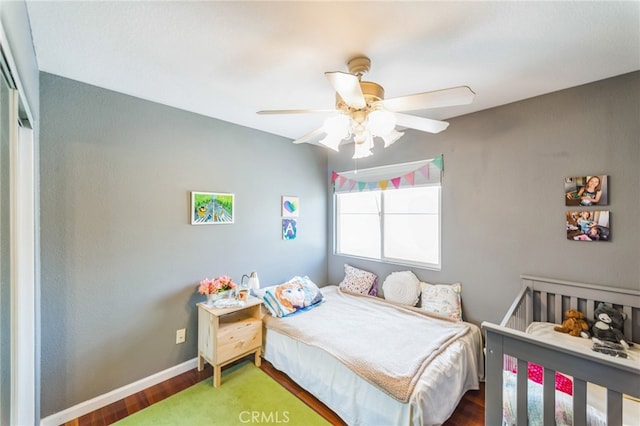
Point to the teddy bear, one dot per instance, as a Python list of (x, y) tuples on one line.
[(608, 325), (574, 324)]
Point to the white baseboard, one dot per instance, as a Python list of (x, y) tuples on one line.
[(117, 394)]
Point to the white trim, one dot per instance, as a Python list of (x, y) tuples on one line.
[(24, 389), (117, 394), (4, 43), (23, 249)]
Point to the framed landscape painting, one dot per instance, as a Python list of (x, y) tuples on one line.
[(211, 208)]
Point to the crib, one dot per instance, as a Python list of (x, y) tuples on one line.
[(545, 300)]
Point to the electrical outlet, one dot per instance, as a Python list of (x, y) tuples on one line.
[(181, 335)]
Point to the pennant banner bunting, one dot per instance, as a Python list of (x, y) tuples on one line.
[(341, 180), (410, 178)]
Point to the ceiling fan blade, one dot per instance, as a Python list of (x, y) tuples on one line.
[(348, 87), (461, 95), (309, 136), (294, 111), (420, 123)]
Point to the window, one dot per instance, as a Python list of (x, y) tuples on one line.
[(395, 225)]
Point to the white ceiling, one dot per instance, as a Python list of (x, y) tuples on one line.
[(230, 59)]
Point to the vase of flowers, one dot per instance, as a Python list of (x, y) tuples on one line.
[(218, 288)]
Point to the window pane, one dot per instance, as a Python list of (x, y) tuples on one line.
[(361, 202), (412, 200), (413, 238), (359, 236), (410, 221), (358, 224)]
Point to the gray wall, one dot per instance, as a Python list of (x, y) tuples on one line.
[(503, 195), (15, 24), (120, 263)]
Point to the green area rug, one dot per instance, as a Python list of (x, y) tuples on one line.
[(247, 396)]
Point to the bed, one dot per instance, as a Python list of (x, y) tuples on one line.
[(603, 389), (334, 351)]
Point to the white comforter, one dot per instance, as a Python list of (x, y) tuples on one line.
[(437, 392), (387, 345)]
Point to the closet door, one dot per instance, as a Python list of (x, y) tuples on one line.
[(5, 253), (17, 257)]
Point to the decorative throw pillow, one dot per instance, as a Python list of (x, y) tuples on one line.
[(297, 294), (442, 299), (373, 291), (402, 287), (357, 281)]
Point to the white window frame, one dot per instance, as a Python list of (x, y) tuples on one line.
[(425, 265)]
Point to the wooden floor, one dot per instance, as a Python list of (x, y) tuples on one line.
[(470, 411)]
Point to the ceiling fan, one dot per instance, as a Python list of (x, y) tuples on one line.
[(362, 112)]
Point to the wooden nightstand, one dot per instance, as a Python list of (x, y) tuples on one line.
[(228, 334)]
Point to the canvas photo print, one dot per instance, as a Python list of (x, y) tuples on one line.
[(588, 225), (590, 190)]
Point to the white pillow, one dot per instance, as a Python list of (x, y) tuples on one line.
[(402, 287), (442, 299)]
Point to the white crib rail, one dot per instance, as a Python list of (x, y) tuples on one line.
[(545, 300)]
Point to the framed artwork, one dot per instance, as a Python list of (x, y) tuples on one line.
[(211, 208), (290, 206), (592, 190), (588, 225), (289, 229)]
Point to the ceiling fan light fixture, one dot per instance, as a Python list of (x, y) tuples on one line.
[(391, 137), (381, 122), (331, 141), (362, 151), (337, 125), (363, 112), (363, 143)]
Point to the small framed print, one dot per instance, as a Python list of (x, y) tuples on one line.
[(290, 206), (592, 190), (588, 225), (211, 208), (289, 229)]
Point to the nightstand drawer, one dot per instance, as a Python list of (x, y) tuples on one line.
[(238, 337)]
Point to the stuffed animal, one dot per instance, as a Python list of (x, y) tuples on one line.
[(608, 325), (574, 324)]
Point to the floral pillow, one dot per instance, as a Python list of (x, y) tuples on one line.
[(296, 295), (357, 281), (442, 299)]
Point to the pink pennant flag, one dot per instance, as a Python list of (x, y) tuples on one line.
[(341, 181), (334, 176), (396, 182), (383, 184), (352, 183), (425, 170), (409, 177)]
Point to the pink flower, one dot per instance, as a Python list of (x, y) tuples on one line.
[(220, 284)]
